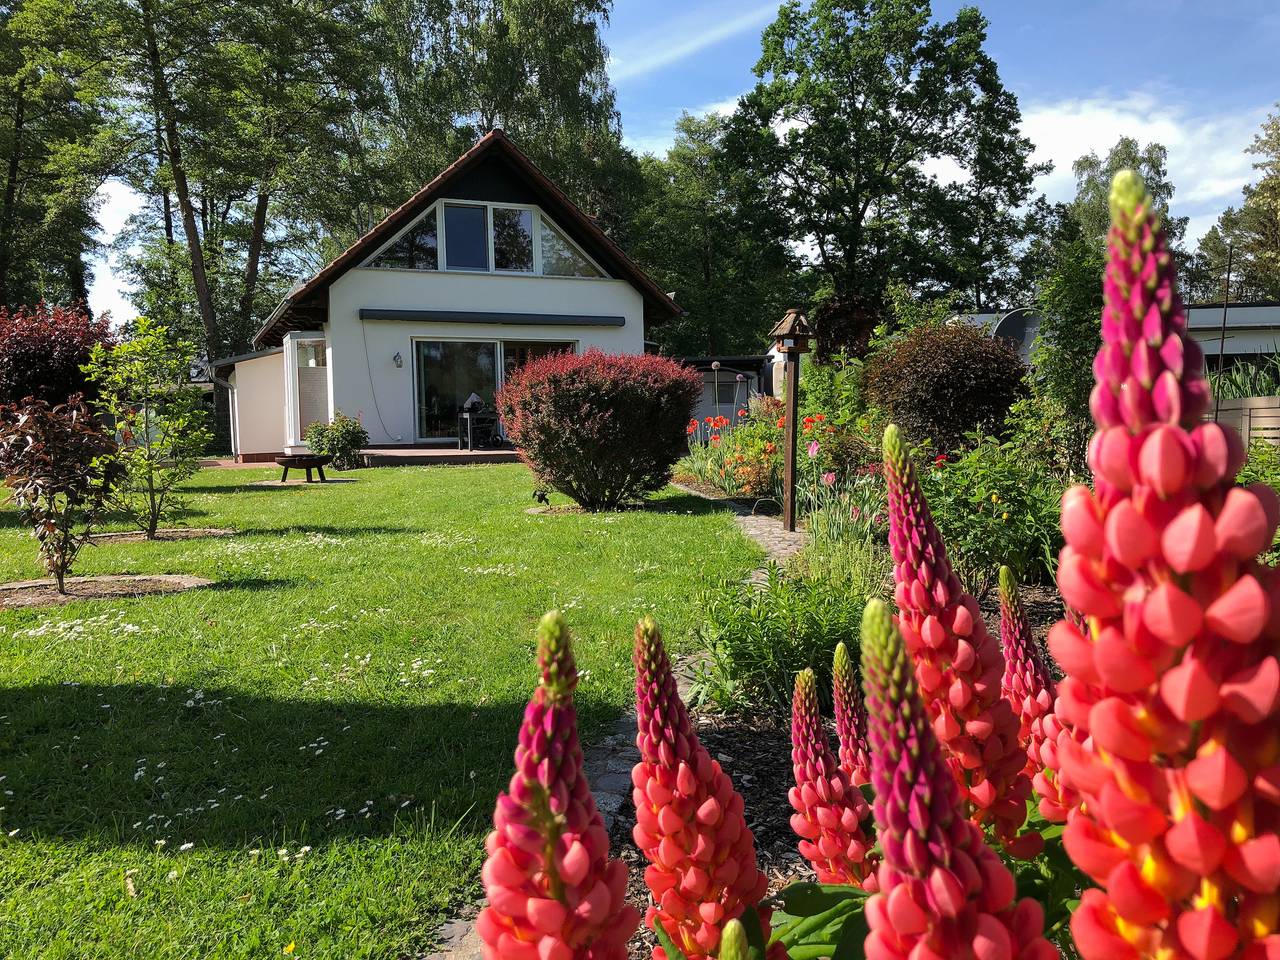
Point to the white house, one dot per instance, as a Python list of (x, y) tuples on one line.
[(487, 266)]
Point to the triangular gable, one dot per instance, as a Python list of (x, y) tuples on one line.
[(494, 170)]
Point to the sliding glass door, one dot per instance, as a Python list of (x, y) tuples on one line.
[(447, 373)]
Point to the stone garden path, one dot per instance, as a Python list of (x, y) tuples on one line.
[(609, 762)]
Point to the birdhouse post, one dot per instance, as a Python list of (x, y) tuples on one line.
[(791, 338)]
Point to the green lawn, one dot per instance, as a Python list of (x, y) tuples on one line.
[(307, 752)]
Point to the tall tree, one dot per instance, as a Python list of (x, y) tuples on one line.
[(727, 261), (51, 122), (856, 100), (1093, 187), (1251, 231)]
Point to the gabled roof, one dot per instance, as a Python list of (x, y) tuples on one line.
[(306, 304)]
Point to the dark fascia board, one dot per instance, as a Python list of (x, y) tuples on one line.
[(486, 316)]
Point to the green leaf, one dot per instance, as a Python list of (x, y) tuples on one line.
[(806, 898), (673, 952)]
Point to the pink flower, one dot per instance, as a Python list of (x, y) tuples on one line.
[(829, 809), (851, 718), (553, 892), (813, 449), (958, 664), (828, 479), (1173, 679), (944, 894), (689, 821)]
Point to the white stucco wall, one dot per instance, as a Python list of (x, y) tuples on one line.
[(259, 405), (382, 395)]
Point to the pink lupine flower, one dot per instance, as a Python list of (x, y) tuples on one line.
[(944, 894), (1030, 689), (689, 822), (828, 808), (851, 718), (958, 663), (553, 892), (1174, 680)]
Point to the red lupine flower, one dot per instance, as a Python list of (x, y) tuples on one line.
[(1030, 689), (715, 439), (851, 714), (828, 807), (692, 427), (553, 892), (944, 894), (958, 663), (1174, 678), (689, 822)]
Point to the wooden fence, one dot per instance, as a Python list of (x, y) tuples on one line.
[(1256, 418)]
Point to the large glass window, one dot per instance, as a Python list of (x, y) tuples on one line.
[(512, 239), (418, 249), (560, 258), (466, 234), (516, 353), (448, 373)]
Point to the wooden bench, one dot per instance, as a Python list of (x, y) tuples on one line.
[(307, 462)]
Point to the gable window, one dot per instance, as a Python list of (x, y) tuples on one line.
[(513, 239), (466, 237), (560, 258), (479, 237), (418, 249)]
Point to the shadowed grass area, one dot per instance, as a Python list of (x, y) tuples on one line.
[(326, 727)]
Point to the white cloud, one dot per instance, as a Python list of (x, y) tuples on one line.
[(1207, 160), (721, 108), (118, 203), (644, 53)]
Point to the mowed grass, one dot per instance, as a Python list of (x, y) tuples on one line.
[(308, 752)]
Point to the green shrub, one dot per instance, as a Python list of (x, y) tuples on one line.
[(145, 390), (939, 383), (757, 639), (341, 438), (994, 506)]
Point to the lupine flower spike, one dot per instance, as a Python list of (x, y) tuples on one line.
[(944, 894), (828, 808), (553, 892), (689, 821), (1175, 679), (1030, 689), (851, 718), (958, 663)]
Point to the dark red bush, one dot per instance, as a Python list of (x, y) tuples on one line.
[(603, 429), (42, 349), (939, 382), (58, 461)]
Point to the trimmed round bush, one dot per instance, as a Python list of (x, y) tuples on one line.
[(603, 429), (939, 382)]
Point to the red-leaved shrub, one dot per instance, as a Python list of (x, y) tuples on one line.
[(42, 349), (600, 428)]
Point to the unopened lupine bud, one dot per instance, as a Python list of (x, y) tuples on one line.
[(944, 894), (553, 892), (828, 808), (1029, 688), (958, 663), (689, 819), (851, 718), (1172, 683)]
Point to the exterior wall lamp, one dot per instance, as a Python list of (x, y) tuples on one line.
[(397, 359)]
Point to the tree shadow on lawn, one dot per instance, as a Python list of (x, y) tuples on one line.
[(131, 764)]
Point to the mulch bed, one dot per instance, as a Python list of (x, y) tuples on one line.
[(44, 593), (166, 534)]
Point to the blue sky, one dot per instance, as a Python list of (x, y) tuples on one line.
[(1197, 75)]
